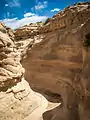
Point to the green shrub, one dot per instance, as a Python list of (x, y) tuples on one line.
[(47, 20), (87, 40), (77, 3)]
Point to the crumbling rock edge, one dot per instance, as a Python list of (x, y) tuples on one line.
[(55, 58), (17, 100)]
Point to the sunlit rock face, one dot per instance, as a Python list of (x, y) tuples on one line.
[(56, 57), (58, 60), (10, 68), (27, 31), (17, 100), (7, 30)]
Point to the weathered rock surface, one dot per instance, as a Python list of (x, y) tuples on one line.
[(7, 30), (17, 100), (10, 67), (70, 16), (27, 31), (60, 61), (55, 59)]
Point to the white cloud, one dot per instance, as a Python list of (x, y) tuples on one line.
[(16, 23), (41, 5), (7, 14), (55, 10), (32, 9), (6, 5), (45, 2), (9, 20), (13, 3), (29, 14)]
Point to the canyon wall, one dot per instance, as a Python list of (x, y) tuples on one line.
[(58, 59), (17, 100)]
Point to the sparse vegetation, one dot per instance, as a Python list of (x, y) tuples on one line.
[(47, 20), (30, 23), (78, 3), (87, 41), (3, 30), (39, 22)]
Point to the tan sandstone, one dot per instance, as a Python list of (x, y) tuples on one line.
[(59, 62), (55, 61)]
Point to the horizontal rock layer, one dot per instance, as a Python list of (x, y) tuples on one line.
[(17, 100), (56, 58), (70, 16), (60, 61)]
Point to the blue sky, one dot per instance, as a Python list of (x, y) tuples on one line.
[(16, 13)]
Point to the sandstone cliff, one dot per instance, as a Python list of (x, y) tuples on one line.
[(17, 100), (59, 61), (56, 58)]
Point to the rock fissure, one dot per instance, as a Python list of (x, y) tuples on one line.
[(56, 59)]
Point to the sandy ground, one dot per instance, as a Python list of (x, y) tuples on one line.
[(49, 101)]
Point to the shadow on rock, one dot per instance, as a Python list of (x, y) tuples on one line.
[(50, 96), (54, 114)]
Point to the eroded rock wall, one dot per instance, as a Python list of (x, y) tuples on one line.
[(60, 61), (70, 16), (17, 100)]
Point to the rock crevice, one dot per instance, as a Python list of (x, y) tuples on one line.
[(56, 57)]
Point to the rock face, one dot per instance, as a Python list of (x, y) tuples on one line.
[(59, 62), (9, 62), (27, 31), (56, 57), (7, 30), (70, 16), (17, 100)]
